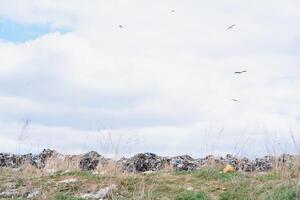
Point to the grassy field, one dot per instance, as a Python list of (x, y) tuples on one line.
[(202, 184)]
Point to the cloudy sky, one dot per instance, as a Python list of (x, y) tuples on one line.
[(72, 79)]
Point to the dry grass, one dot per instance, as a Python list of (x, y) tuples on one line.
[(207, 183), (59, 162)]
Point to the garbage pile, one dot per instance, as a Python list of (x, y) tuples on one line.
[(240, 164), (245, 164), (88, 161), (9, 160), (15, 161), (91, 160), (184, 162), (142, 162), (39, 160)]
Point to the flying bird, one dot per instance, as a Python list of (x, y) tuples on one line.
[(240, 72), (234, 100), (231, 26)]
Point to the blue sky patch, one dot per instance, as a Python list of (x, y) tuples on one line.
[(18, 32)]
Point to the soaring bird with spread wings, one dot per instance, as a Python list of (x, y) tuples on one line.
[(240, 72), (231, 26)]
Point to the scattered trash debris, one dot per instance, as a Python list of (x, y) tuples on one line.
[(189, 188), (9, 194), (228, 169), (68, 181), (102, 193), (33, 194)]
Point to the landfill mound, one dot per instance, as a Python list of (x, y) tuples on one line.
[(142, 162)]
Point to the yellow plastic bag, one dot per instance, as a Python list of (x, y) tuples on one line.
[(228, 169)]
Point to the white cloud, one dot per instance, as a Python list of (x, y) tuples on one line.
[(168, 76)]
